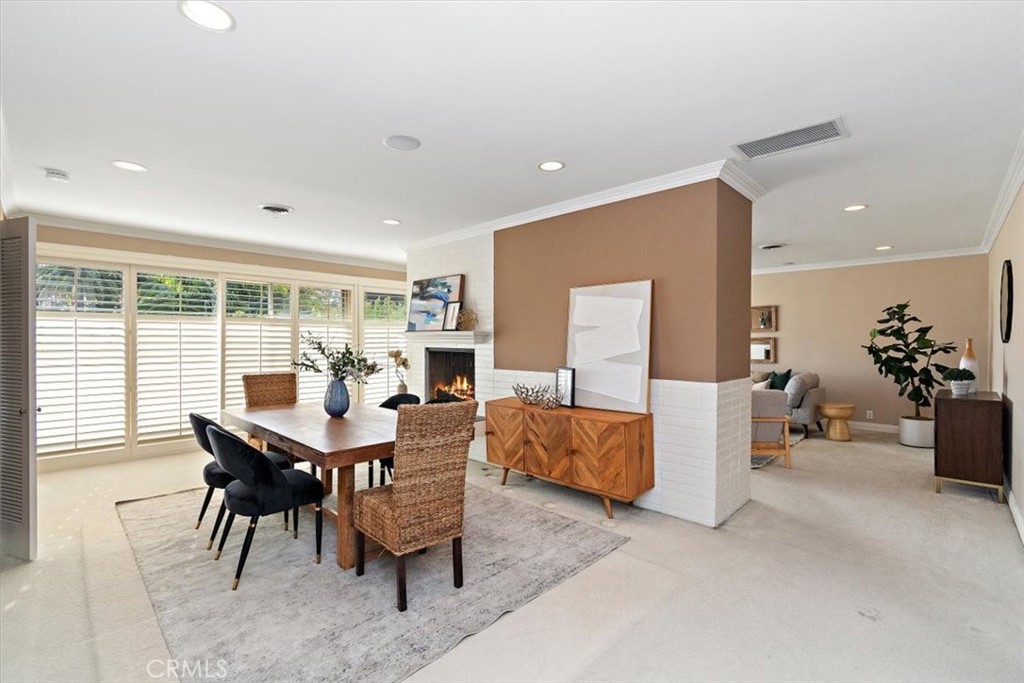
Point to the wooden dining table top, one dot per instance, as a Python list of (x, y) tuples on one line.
[(365, 432)]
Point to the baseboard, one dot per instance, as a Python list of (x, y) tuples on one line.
[(71, 461), (1015, 513), (876, 427)]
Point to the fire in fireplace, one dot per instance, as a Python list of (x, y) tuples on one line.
[(450, 374)]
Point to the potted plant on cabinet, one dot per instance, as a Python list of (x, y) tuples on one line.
[(908, 359), (959, 380)]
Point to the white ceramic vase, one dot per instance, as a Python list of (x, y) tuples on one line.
[(961, 387), (970, 362)]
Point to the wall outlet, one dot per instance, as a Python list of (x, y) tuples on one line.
[(870, 414)]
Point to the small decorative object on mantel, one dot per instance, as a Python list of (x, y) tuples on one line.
[(468, 320), (429, 300), (565, 384), (397, 356), (538, 395), (451, 315), (764, 319), (969, 362), (961, 381), (341, 365)]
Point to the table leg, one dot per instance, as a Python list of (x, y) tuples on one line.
[(327, 479), (346, 533)]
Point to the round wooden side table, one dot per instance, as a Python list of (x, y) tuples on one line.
[(837, 429)]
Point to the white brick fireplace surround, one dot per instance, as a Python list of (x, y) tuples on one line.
[(701, 429)]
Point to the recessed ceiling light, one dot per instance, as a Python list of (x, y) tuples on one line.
[(855, 207), (403, 143), (129, 166), (391, 221), (276, 210), (770, 247), (884, 247), (207, 15), (57, 175), (551, 166)]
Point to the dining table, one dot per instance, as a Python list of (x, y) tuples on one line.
[(304, 431)]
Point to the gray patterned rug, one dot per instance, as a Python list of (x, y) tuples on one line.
[(293, 620)]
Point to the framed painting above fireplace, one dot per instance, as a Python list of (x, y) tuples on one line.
[(429, 299)]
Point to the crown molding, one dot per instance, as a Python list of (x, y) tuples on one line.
[(734, 177), (1012, 182), (7, 202), (878, 260), (192, 240)]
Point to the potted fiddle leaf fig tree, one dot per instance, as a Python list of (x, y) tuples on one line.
[(906, 354)]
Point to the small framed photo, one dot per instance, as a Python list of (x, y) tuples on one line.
[(764, 319), (565, 383), (451, 315)]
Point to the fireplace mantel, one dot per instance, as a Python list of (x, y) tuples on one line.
[(449, 337)]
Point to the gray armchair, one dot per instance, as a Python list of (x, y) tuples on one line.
[(803, 395), (769, 424)]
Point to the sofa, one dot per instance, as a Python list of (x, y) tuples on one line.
[(803, 395)]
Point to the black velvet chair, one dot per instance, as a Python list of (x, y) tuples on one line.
[(388, 464), (261, 488), (216, 478)]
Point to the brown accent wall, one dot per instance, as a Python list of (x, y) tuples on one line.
[(692, 241), (99, 240), (825, 316)]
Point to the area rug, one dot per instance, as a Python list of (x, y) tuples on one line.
[(294, 620)]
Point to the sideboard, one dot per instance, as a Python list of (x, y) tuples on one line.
[(969, 440), (608, 453)]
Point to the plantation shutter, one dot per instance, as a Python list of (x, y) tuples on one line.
[(257, 333), (326, 313), (80, 358), (384, 323), (178, 353)]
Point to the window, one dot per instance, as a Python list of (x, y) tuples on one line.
[(257, 333), (324, 312), (177, 353), (384, 321), (80, 357)]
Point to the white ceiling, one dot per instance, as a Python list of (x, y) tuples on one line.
[(292, 107)]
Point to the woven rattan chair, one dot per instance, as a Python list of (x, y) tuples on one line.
[(388, 464), (424, 503)]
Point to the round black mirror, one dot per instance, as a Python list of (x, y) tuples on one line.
[(1006, 301)]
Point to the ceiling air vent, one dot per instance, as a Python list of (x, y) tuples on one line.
[(794, 139)]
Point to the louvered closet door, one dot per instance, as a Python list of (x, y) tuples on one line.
[(17, 389)]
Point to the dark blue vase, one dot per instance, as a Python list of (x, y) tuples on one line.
[(336, 400)]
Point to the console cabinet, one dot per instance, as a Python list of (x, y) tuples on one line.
[(969, 439), (604, 452)]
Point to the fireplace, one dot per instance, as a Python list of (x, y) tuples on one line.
[(450, 374)]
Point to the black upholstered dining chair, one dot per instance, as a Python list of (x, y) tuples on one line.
[(215, 476), (388, 464), (260, 489)]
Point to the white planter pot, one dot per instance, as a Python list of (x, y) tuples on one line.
[(961, 387), (917, 432)]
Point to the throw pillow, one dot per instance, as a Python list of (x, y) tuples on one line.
[(779, 380), (756, 377), (761, 385)]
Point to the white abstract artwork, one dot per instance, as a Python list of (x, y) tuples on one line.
[(610, 345)]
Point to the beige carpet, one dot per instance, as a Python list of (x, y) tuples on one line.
[(349, 628)]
